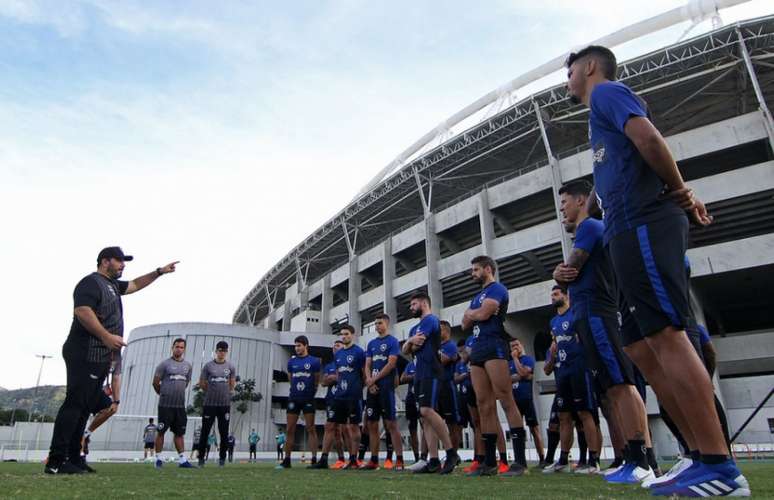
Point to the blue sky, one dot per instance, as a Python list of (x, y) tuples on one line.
[(223, 133)]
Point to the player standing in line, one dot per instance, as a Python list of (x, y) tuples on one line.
[(573, 385), (447, 394), (380, 367), (594, 309), (217, 380), (348, 399), (304, 371), (170, 381), (149, 439), (489, 367), (462, 383), (412, 410), (644, 201), (522, 367), (423, 343), (332, 430)]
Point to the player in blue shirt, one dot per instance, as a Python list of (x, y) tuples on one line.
[(412, 409), (447, 394), (304, 373), (332, 434), (380, 366), (489, 366), (423, 343), (522, 367), (645, 201), (595, 313), (348, 399)]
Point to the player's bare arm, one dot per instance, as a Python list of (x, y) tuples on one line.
[(88, 319), (488, 308), (157, 384), (141, 282)]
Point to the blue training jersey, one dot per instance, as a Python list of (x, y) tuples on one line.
[(593, 292), (379, 350), (523, 388), (569, 350), (302, 372), (330, 369), (411, 369), (629, 191), (448, 348), (426, 359), (463, 369), (492, 328), (349, 365)]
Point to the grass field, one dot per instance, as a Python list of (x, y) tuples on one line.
[(262, 481)]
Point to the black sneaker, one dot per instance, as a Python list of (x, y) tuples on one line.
[(515, 469), (484, 470), (201, 463), (85, 466), (63, 468), (321, 464), (450, 463)]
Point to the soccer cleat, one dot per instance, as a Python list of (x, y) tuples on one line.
[(429, 469), (705, 480), (369, 466), (399, 466), (322, 464), (63, 468), (419, 464), (221, 462), (541, 465), (588, 470), (351, 465), (450, 463), (502, 467), (338, 465), (83, 465), (630, 474), (516, 469), (483, 470), (186, 465), (388, 464), (472, 467), (159, 464), (557, 468), (283, 465), (679, 467)]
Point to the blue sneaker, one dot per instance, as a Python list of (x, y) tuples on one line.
[(159, 463), (186, 465), (625, 469), (708, 481), (631, 474)]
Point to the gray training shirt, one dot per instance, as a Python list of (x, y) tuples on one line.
[(217, 376), (174, 376)]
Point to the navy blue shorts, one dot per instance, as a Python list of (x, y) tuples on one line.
[(649, 265), (381, 405), (297, 406), (527, 410), (605, 358), (412, 410), (484, 350), (427, 391), (448, 408), (574, 392), (347, 411), (470, 396), (462, 408)]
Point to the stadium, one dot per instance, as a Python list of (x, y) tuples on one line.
[(492, 189)]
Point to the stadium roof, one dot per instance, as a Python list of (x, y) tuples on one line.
[(687, 85)]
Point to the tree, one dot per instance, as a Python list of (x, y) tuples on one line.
[(198, 402), (244, 395)]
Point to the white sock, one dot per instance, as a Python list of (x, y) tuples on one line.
[(183, 458)]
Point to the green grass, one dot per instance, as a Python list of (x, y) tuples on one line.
[(262, 481)]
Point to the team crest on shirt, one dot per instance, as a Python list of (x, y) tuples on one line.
[(307, 366), (350, 359), (565, 325), (300, 386), (476, 331), (227, 372), (370, 411), (383, 347), (481, 298), (344, 385)]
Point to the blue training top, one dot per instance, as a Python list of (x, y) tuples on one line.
[(379, 350), (349, 365), (523, 388), (302, 372), (569, 350), (426, 358), (593, 292), (492, 328)]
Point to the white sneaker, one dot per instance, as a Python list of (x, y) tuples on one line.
[(420, 464), (588, 469), (676, 469), (607, 472), (557, 468)]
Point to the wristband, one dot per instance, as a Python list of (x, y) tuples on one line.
[(117, 401), (158, 271)]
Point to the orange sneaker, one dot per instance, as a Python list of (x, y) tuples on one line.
[(399, 465), (472, 467), (339, 464), (502, 467), (388, 464)]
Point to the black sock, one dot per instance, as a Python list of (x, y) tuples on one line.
[(637, 452), (695, 455), (423, 456), (479, 458), (564, 457), (618, 460), (352, 457), (553, 442), (314, 459), (434, 461), (400, 458), (504, 457), (583, 448), (375, 459), (490, 449), (451, 452), (593, 459), (518, 436), (650, 456), (388, 443), (713, 459), (361, 454), (324, 458), (341, 456), (286, 461)]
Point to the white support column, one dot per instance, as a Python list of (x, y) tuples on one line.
[(327, 304), (354, 293), (768, 122), (486, 222), (286, 311), (433, 252), (388, 273), (556, 178)]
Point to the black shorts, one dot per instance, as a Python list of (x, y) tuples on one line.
[(296, 406), (447, 406), (605, 358), (488, 349), (252, 448), (412, 410), (347, 411), (470, 397), (381, 405), (150, 445), (527, 410), (574, 392), (462, 408), (649, 264), (553, 417), (427, 391), (173, 419), (101, 402)]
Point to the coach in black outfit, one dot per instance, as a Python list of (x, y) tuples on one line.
[(96, 335)]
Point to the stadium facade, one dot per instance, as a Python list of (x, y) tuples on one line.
[(492, 190)]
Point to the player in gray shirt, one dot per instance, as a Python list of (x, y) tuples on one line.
[(217, 380), (170, 382)]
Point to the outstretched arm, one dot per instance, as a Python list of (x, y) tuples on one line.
[(141, 282)]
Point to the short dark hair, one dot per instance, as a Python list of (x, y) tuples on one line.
[(301, 339), (445, 323), (603, 55), (348, 327), (560, 288), (179, 339), (383, 316), (150, 420), (485, 261), (421, 295), (576, 188), (222, 345), (461, 343)]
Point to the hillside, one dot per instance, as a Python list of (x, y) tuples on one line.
[(48, 400)]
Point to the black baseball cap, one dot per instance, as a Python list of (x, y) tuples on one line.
[(113, 253), (222, 345)]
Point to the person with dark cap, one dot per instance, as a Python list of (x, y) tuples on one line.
[(95, 340), (217, 380)]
